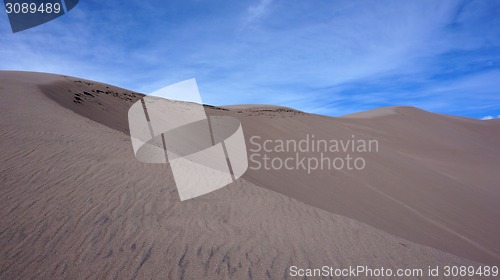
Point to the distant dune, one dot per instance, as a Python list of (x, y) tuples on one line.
[(76, 204)]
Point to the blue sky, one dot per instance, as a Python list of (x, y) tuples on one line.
[(326, 57)]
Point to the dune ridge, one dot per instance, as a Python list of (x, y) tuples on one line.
[(76, 203)]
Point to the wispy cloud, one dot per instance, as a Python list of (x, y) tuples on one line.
[(255, 11)]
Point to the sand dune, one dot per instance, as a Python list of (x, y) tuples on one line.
[(434, 180), (76, 204)]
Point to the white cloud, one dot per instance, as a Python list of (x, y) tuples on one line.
[(256, 11), (490, 117)]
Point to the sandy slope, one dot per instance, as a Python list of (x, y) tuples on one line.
[(75, 203), (434, 180)]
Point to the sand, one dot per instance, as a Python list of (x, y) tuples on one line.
[(76, 204)]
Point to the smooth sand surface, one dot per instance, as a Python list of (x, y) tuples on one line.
[(76, 204), (375, 113), (434, 180)]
